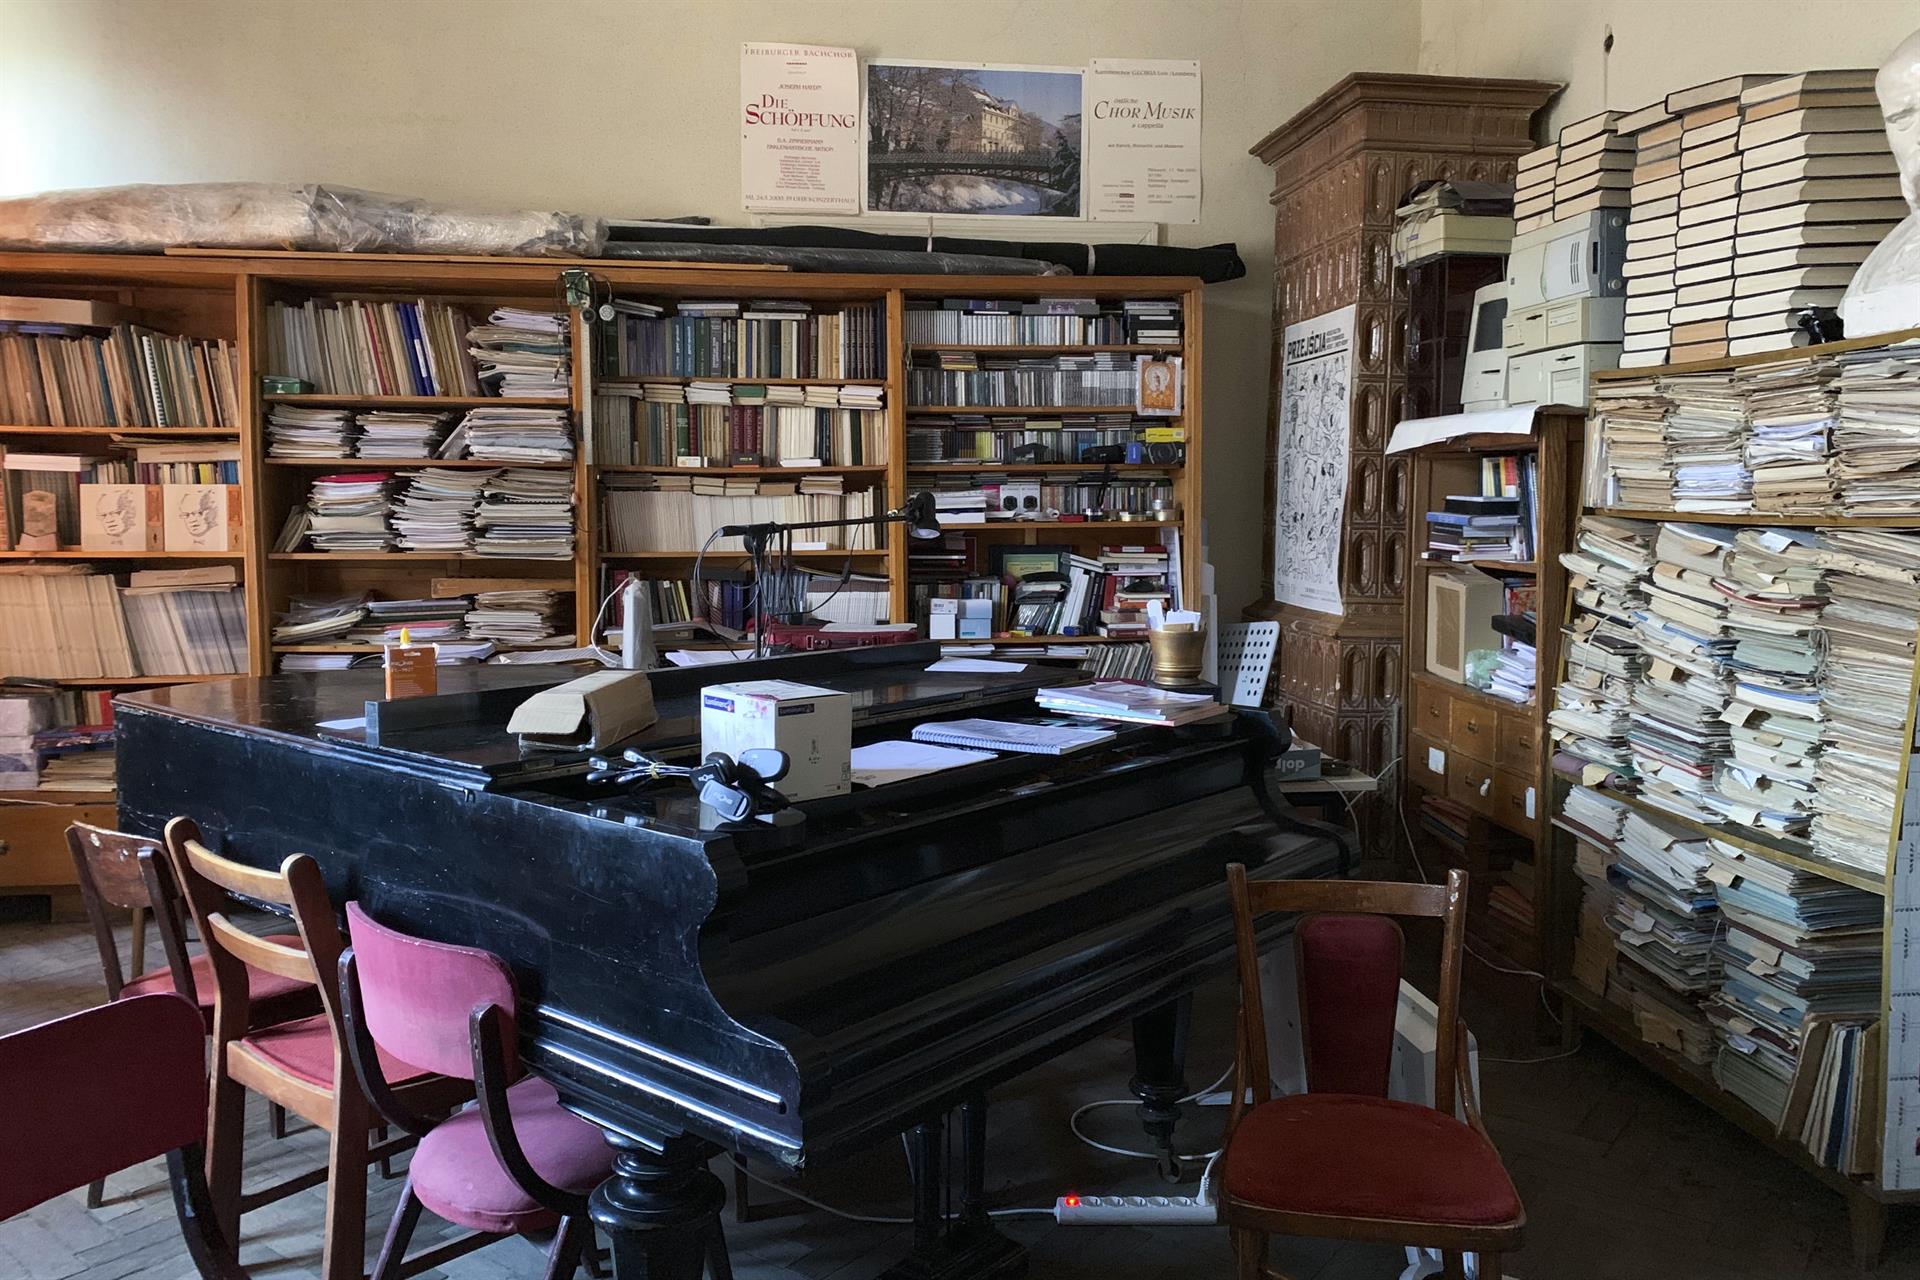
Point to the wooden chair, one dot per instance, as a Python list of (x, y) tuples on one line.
[(103, 1090), (301, 1065), (518, 1163), (116, 870), (1343, 1161)]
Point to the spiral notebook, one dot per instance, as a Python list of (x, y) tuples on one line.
[(1010, 735)]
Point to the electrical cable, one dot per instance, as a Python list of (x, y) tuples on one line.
[(1073, 1123)]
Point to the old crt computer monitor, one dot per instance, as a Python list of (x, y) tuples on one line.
[(1484, 385)]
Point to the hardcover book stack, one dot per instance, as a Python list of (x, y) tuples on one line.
[(1653, 209), (1594, 168), (1533, 188), (1818, 190)]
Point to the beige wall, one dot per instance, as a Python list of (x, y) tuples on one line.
[(625, 109), (1658, 45)]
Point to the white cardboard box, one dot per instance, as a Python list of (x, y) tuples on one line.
[(814, 726), (202, 517)]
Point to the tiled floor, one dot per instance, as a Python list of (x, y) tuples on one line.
[(1623, 1178)]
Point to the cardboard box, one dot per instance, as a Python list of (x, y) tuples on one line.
[(19, 764), (1300, 760), (201, 517), (594, 711), (976, 619), (122, 517), (813, 726), (943, 618)]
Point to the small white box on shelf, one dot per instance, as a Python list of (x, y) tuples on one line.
[(121, 517), (202, 517)]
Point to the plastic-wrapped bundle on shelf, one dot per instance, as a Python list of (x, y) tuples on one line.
[(150, 217)]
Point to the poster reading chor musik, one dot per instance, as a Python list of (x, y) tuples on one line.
[(799, 129), (1143, 140)]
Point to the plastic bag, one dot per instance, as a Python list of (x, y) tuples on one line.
[(148, 217)]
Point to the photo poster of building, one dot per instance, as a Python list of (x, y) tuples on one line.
[(1310, 464), (964, 138)]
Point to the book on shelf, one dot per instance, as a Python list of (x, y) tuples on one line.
[(368, 348), (766, 338), (662, 424), (963, 379), (962, 438), (1043, 322), (682, 512), (130, 376)]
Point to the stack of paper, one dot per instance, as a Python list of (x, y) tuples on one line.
[(400, 435), (1666, 915), (348, 512), (294, 431), (1679, 736), (1705, 430), (1513, 672), (1873, 588), (1592, 709), (435, 511), (1600, 817), (1629, 416), (1877, 434), (517, 617), (316, 619), (523, 353), (1795, 944), (1790, 415), (426, 621), (1775, 591), (1593, 943), (527, 513), (1132, 702), (508, 434)]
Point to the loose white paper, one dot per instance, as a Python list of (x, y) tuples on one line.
[(799, 129), (706, 657), (1416, 432), (879, 763), (1143, 140), (976, 665), (1310, 484)]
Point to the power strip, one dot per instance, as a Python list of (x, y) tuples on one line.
[(1102, 1210)]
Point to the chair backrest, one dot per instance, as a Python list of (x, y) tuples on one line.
[(111, 872), (1349, 948), (96, 1092), (418, 996), (209, 882)]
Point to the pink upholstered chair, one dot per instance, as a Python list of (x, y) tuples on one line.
[(103, 1090), (517, 1163)]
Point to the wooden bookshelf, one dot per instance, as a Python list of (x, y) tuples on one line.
[(226, 295), (1867, 1197), (1481, 751)]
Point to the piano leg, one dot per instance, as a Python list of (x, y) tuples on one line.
[(1159, 1075), (660, 1209), (968, 1246)]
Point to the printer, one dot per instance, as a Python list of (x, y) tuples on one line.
[(1566, 307)]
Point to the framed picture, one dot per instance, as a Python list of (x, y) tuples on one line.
[(973, 138)]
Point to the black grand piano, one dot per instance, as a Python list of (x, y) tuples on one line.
[(791, 991)]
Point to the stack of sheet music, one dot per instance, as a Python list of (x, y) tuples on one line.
[(348, 512), (1795, 945), (1665, 916), (1679, 737), (1514, 671), (1593, 858), (1592, 710), (436, 509), (1877, 436), (507, 434), (1789, 409), (294, 431), (400, 435), (517, 616), (1630, 419), (1705, 433), (1873, 588), (315, 619), (523, 353), (427, 621), (1775, 591), (1600, 817), (526, 512)]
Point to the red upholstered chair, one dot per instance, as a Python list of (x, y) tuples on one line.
[(301, 1065), (518, 1163), (103, 1090), (129, 872), (1343, 1161)]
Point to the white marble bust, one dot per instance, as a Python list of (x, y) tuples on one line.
[(1885, 293)]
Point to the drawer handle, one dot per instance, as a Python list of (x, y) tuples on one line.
[(1473, 726), (1486, 786)]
